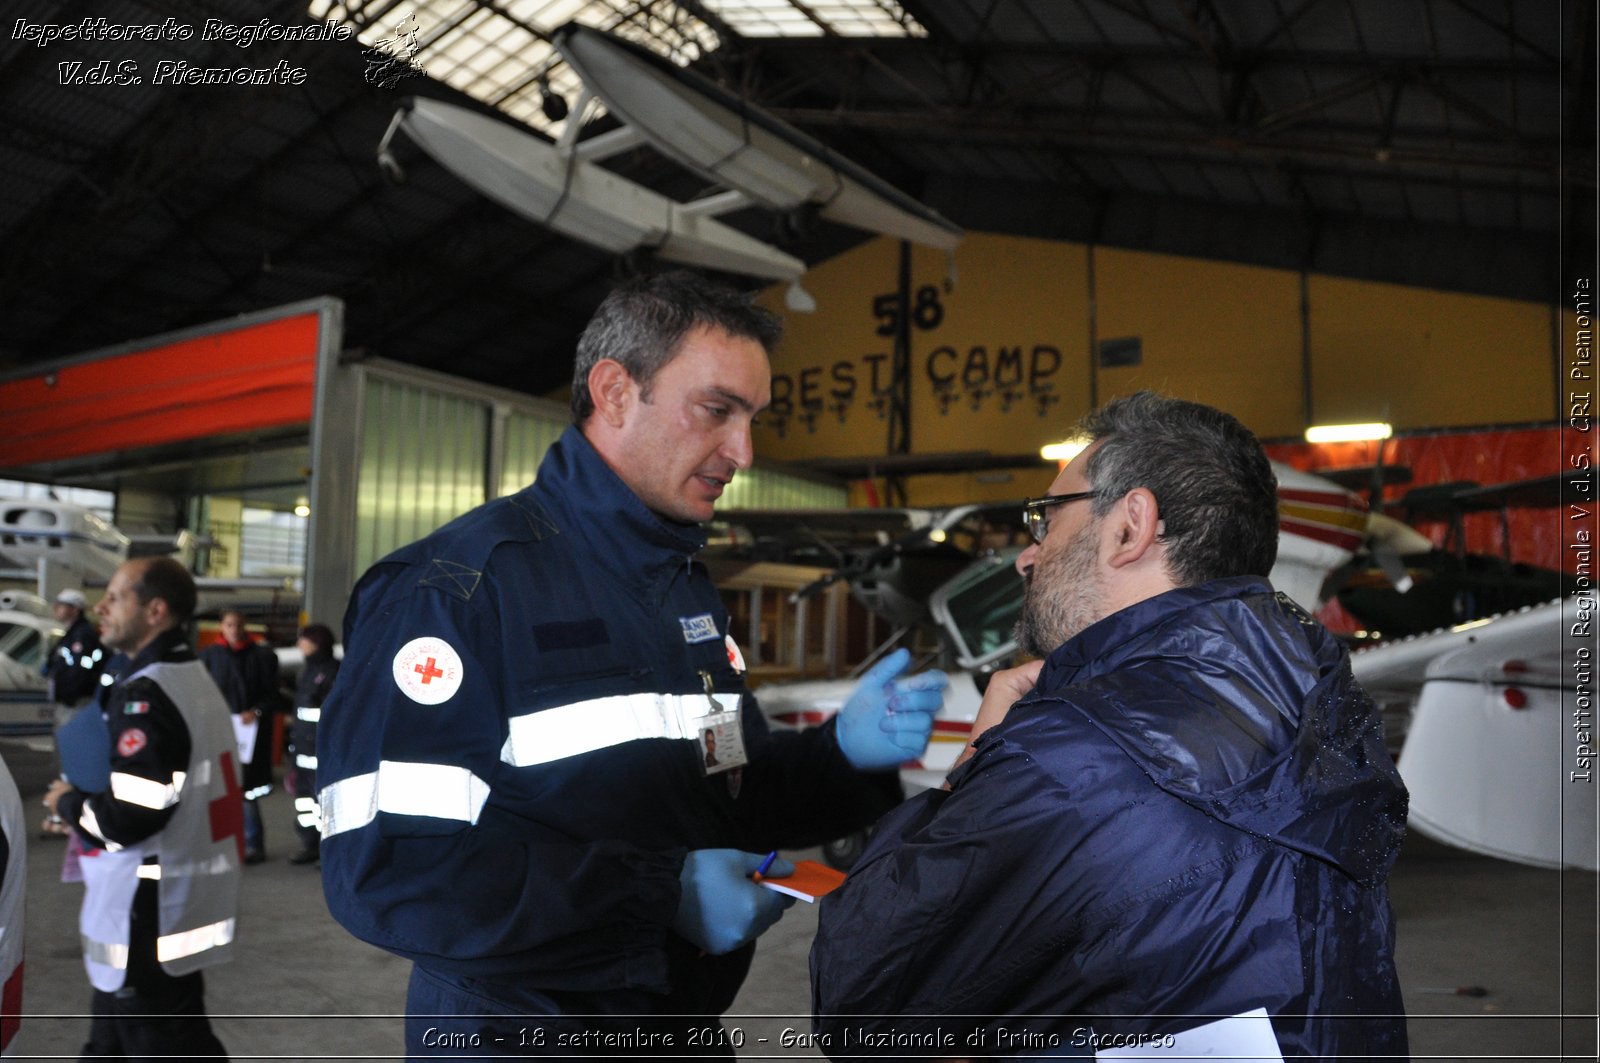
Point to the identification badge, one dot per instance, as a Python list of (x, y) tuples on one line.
[(721, 742), (717, 729)]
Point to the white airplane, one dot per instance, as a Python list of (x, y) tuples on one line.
[(55, 545), (69, 537), (1483, 755), (28, 629), (1491, 747), (62, 545), (754, 159)]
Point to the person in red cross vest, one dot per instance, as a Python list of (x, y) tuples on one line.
[(165, 827), (247, 674)]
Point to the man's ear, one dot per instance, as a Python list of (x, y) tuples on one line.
[(611, 388), (157, 613), (1134, 525)]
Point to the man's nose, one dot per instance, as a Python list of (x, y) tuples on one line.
[(1025, 559), (739, 447)]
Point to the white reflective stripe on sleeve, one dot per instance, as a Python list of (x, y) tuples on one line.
[(189, 942), (599, 723), (303, 761), (308, 715), (440, 791), (87, 820), (258, 792), (146, 793), (150, 871), (105, 953)]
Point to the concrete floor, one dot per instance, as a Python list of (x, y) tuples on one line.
[(303, 989)]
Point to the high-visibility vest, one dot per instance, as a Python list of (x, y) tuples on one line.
[(197, 854)]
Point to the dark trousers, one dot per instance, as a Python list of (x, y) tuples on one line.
[(305, 786), (255, 835), (154, 1016)]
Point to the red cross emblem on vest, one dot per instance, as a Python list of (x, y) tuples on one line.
[(429, 672)]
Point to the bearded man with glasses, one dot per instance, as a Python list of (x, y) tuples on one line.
[(1182, 817)]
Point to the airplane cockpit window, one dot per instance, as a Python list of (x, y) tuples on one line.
[(22, 644), (978, 608)]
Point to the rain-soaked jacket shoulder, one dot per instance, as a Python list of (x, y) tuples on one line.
[(1191, 816)]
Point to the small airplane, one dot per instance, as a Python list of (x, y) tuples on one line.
[(1490, 787), (56, 545), (28, 630), (752, 157)]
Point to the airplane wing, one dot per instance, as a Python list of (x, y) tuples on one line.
[(534, 178), (728, 140), (1401, 666), (1490, 751)]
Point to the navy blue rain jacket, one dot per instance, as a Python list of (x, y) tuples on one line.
[(560, 875), (1192, 815)]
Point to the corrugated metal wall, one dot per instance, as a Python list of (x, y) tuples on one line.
[(528, 436), (423, 459), (771, 489), (426, 457)]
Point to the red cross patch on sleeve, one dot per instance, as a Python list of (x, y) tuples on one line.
[(131, 742)]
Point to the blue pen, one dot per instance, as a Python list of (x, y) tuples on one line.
[(766, 865)]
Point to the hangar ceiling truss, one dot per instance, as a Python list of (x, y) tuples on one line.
[(1448, 143)]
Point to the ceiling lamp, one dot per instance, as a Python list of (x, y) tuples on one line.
[(1348, 433), (1064, 451)]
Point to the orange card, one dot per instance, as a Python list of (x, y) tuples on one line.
[(809, 881)]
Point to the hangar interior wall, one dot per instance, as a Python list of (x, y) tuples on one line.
[(431, 447), (1034, 333)]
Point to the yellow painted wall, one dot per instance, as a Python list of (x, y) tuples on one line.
[(999, 361), (1419, 358), (945, 489), (1220, 333), (225, 524)]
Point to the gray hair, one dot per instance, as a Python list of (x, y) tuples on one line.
[(1213, 485), (643, 323)]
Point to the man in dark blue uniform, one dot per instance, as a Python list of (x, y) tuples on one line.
[(1185, 811), (73, 669), (318, 670), (162, 828), (77, 660), (519, 791)]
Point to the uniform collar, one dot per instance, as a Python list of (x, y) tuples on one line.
[(170, 646), (613, 523)]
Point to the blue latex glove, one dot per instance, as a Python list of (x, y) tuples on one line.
[(887, 720), (721, 908)]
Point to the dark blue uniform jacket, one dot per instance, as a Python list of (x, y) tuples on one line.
[(561, 875), (1191, 816)]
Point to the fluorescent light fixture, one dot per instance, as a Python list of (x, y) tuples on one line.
[(1348, 433), (1063, 451)]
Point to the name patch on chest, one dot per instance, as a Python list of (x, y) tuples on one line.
[(702, 628)]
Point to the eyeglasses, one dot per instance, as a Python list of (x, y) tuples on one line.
[(1037, 521)]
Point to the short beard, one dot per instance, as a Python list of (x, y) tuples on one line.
[(1060, 596)]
